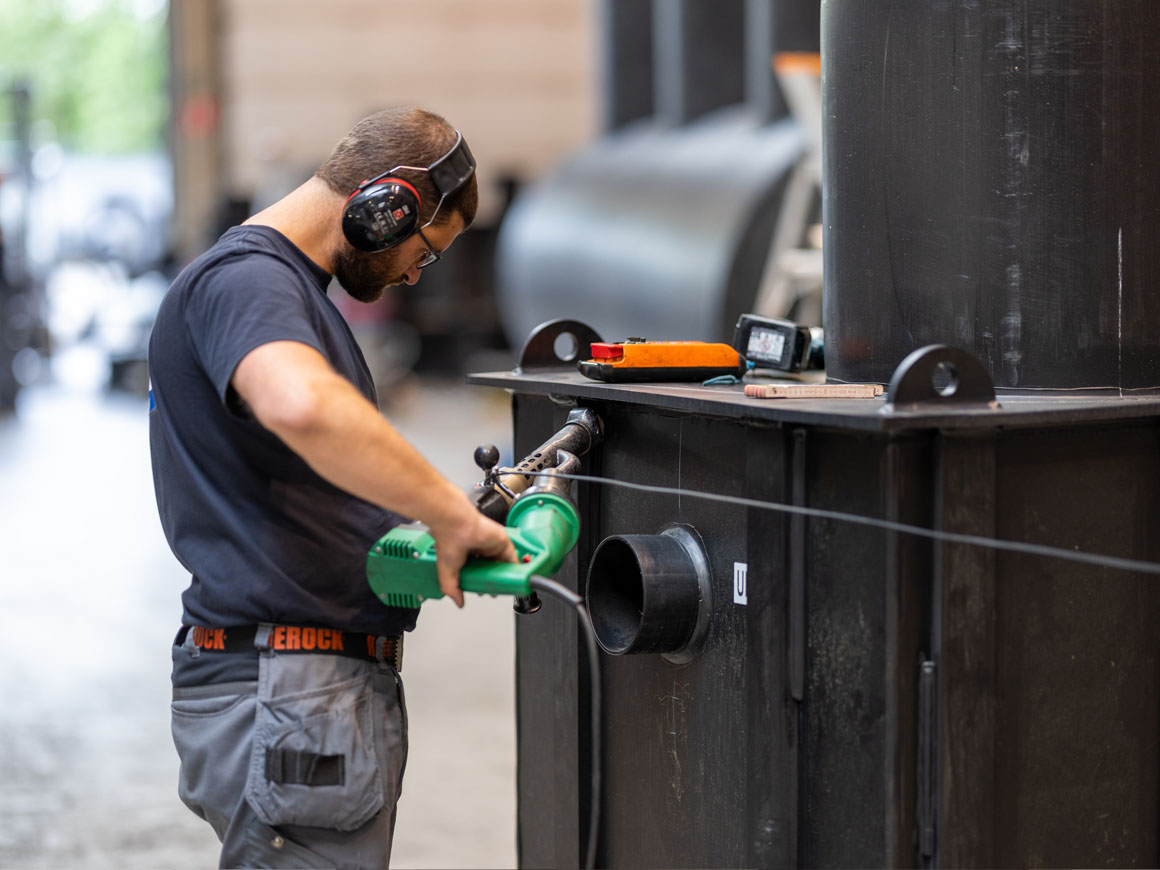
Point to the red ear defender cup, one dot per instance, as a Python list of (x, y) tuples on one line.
[(381, 214)]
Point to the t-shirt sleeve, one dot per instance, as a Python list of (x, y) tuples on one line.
[(242, 304)]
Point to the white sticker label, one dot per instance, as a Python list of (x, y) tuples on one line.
[(740, 587)]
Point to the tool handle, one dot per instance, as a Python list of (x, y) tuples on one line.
[(485, 577)]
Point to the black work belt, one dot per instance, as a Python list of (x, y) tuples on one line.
[(295, 640)]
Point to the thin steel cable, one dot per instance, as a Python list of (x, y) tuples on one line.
[(1097, 559)]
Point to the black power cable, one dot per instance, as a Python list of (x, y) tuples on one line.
[(566, 594)]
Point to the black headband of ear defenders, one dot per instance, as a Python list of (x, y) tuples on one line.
[(453, 170)]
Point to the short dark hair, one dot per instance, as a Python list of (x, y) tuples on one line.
[(398, 137)]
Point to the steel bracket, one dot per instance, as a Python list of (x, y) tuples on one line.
[(940, 374), (557, 344)]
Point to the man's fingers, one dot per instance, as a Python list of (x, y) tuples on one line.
[(449, 582), (483, 538), (498, 545), (502, 550)]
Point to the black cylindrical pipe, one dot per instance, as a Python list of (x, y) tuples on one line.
[(648, 593), (991, 184)]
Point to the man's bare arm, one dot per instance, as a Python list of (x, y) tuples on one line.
[(293, 391)]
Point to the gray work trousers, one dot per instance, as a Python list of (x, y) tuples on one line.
[(302, 768)]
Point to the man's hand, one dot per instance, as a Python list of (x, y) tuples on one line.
[(469, 534)]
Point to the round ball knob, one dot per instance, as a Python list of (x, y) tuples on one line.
[(487, 456)]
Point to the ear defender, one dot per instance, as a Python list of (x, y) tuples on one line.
[(384, 211), (381, 214)]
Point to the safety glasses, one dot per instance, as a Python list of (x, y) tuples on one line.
[(432, 256)]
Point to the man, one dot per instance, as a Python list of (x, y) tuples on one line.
[(274, 474)]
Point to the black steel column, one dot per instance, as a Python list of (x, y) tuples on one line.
[(963, 640), (990, 183), (697, 50), (761, 91), (627, 55)]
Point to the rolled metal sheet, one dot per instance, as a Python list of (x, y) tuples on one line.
[(652, 231), (991, 184)]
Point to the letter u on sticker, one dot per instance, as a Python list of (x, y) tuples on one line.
[(740, 583)]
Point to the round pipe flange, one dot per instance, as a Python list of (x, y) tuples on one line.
[(651, 594)]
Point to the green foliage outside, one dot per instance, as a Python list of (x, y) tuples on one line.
[(97, 72)]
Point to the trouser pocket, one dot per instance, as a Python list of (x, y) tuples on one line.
[(211, 731), (314, 760)]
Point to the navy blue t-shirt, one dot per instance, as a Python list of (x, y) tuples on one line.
[(263, 536)]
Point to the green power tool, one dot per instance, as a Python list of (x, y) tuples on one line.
[(542, 525), (541, 521)]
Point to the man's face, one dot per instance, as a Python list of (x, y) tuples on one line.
[(365, 276)]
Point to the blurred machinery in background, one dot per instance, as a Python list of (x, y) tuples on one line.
[(663, 227), (703, 164), (22, 334), (453, 310), (85, 255)]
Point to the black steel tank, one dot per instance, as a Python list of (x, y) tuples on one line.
[(784, 686), (991, 184)]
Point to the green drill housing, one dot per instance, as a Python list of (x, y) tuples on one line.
[(543, 527)]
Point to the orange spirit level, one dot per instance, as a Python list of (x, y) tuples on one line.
[(638, 360)]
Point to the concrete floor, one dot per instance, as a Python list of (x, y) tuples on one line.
[(89, 602)]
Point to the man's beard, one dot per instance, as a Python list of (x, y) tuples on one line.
[(365, 276)]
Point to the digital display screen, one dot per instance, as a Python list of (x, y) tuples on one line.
[(765, 345)]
